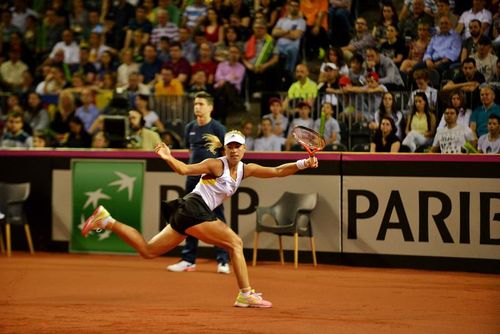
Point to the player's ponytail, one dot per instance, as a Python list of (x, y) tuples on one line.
[(213, 143)]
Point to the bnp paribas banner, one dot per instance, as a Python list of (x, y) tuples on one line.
[(115, 184)]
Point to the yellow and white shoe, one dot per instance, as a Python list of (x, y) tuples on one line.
[(99, 220)]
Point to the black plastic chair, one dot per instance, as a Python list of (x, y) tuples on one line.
[(336, 147), (12, 199), (290, 216), (364, 147)]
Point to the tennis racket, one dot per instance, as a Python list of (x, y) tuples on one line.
[(309, 139)]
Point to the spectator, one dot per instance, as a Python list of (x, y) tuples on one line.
[(187, 46), (164, 50), (330, 88), (444, 48), (279, 121), (140, 137), (247, 130), (84, 67), (94, 25), (444, 9), (480, 115), (69, 46), (41, 139), (470, 45), (127, 67), (476, 12), (174, 13), (316, 38), (228, 84), (270, 11), (421, 124), (205, 62), (339, 22), (288, 32), (77, 136), (137, 46), (260, 57), (267, 140), (409, 24), (151, 65), (230, 38), (331, 130), (11, 71), (54, 82), (417, 48), (385, 138), (65, 110), (122, 12), (179, 64), (386, 69), (453, 136), (388, 108), (304, 119), (422, 80), (199, 83), (394, 47), (164, 27), (361, 41), (468, 81), (14, 135), (428, 6), (486, 61), (490, 142), (97, 47), (194, 15), (49, 33), (140, 22), (78, 18), (334, 55), (458, 102), (35, 114), (87, 113), (167, 85), (100, 140), (304, 89), (150, 117), (388, 17), (213, 27), (240, 9), (106, 65), (20, 13), (7, 28)]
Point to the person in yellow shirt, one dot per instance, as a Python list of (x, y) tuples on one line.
[(167, 84)]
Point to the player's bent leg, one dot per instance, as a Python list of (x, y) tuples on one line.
[(219, 234)]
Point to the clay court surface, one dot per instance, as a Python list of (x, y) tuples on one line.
[(67, 293)]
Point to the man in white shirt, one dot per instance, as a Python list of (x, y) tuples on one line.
[(476, 12), (490, 142), (69, 46), (11, 71), (453, 137)]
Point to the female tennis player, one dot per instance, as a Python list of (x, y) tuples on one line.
[(192, 215)]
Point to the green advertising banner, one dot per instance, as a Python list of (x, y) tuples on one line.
[(115, 184)]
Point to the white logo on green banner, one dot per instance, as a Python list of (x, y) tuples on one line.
[(115, 184)]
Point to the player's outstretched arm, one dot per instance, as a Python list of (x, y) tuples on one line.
[(281, 170), (212, 166)]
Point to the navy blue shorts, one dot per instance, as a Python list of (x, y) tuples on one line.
[(182, 213)]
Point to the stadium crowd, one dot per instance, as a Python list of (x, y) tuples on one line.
[(422, 77)]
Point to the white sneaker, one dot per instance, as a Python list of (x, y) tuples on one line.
[(182, 266), (223, 268)]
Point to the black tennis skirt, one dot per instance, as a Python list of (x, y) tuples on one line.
[(190, 210)]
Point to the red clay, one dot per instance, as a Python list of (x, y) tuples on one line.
[(67, 293)]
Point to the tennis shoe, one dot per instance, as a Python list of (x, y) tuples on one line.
[(182, 266), (223, 268), (97, 221), (253, 299)]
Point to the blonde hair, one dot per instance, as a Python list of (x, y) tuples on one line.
[(213, 142)]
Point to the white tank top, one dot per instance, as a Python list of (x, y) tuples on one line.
[(214, 190)]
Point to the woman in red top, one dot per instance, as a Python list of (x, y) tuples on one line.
[(213, 29)]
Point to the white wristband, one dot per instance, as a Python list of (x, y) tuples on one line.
[(301, 164)]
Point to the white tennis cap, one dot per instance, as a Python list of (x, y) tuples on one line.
[(233, 137)]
